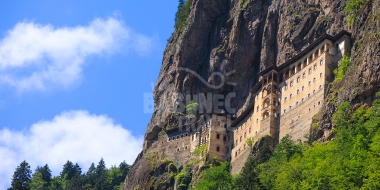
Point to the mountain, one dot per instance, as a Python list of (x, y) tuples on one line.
[(248, 36)]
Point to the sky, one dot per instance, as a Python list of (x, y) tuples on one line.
[(76, 79)]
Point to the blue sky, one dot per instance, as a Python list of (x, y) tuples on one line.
[(73, 76)]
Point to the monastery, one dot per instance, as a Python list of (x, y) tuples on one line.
[(287, 97)]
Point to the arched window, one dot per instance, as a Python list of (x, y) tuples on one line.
[(315, 67), (298, 91), (320, 75), (291, 83), (310, 71), (321, 62), (266, 114), (303, 87), (314, 79), (290, 96), (298, 79), (303, 75)]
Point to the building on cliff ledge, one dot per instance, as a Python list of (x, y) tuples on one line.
[(287, 97)]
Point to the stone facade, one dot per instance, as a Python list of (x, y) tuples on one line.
[(285, 100)]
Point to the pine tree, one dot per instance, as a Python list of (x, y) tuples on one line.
[(21, 177), (124, 168), (45, 174), (101, 176)]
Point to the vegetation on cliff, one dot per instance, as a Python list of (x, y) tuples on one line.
[(183, 12), (350, 161), (71, 177)]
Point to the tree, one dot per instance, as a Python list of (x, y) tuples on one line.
[(216, 178), (124, 168), (21, 177), (70, 170), (101, 176), (45, 174)]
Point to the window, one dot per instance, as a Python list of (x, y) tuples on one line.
[(309, 83), (309, 70), (309, 110), (178, 149), (218, 148), (320, 86), (296, 103), (303, 75), (290, 96), (302, 99), (308, 95), (291, 83), (284, 110), (235, 154), (313, 91), (298, 79), (186, 147), (285, 99), (314, 105), (319, 103), (236, 142), (257, 120), (290, 107), (320, 75), (241, 138), (303, 87), (224, 138), (315, 67), (257, 108), (177, 137), (245, 135), (321, 62), (286, 87), (298, 91), (314, 79), (218, 136)]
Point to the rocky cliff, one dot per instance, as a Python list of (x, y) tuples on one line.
[(247, 36)]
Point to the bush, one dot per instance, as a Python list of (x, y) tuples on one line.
[(342, 68), (352, 8)]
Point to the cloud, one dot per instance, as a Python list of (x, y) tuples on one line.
[(35, 56), (75, 135)]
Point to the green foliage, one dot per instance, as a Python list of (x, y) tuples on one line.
[(191, 108), (21, 177), (183, 12), (183, 179), (243, 4), (250, 142), (71, 178), (200, 151), (216, 178), (297, 16), (342, 68), (352, 8), (289, 27)]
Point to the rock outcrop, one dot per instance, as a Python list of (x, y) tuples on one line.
[(247, 36)]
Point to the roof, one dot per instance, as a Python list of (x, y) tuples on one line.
[(306, 51)]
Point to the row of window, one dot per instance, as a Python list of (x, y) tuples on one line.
[(298, 92), (177, 137), (179, 149), (290, 107), (303, 76)]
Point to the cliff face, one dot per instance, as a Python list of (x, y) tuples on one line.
[(248, 36)]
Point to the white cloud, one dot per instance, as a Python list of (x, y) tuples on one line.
[(75, 135), (34, 56)]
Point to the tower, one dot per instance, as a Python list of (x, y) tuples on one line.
[(269, 104)]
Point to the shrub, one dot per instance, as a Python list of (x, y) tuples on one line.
[(352, 8), (342, 68)]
